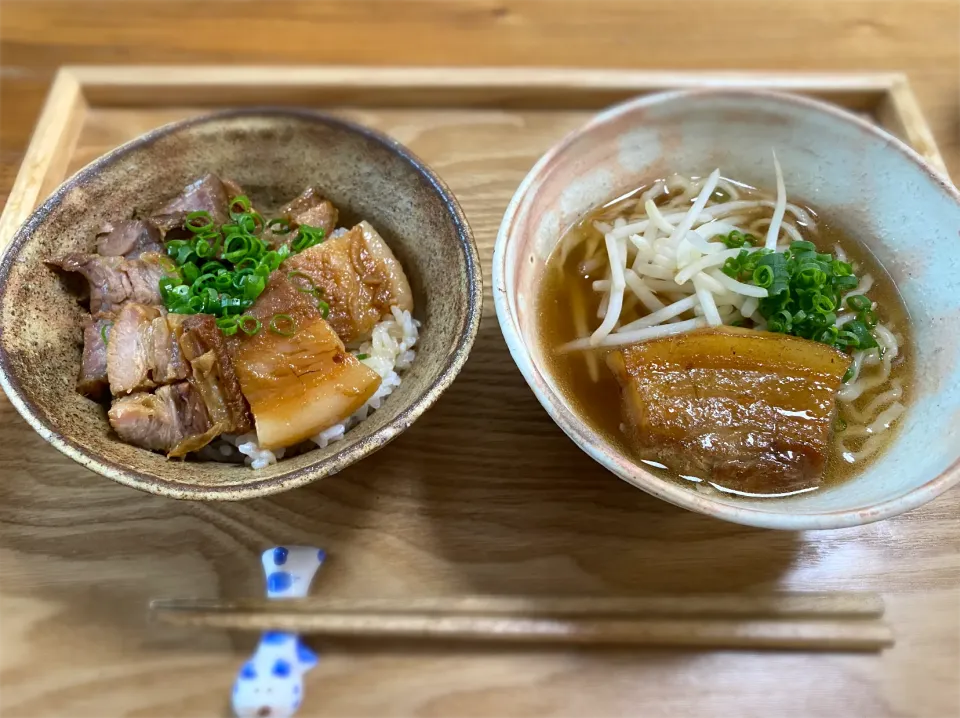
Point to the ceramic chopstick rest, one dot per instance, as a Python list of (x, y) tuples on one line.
[(270, 684)]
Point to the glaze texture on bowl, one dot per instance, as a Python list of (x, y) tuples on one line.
[(274, 154), (864, 180)]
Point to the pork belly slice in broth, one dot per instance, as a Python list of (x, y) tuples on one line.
[(360, 279), (749, 411), (142, 351), (128, 238), (174, 419), (302, 381), (93, 363), (213, 375), (207, 194), (115, 281)]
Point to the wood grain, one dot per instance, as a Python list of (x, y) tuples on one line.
[(484, 494)]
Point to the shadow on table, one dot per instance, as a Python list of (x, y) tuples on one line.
[(487, 484), (483, 495)]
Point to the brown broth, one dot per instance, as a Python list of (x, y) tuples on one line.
[(598, 402)]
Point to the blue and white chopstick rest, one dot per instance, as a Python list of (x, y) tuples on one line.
[(270, 684)]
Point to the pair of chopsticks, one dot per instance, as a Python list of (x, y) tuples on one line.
[(788, 621)]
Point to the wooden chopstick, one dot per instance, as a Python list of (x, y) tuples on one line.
[(798, 604), (804, 621)]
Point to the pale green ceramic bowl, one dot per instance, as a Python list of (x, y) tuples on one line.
[(880, 190)]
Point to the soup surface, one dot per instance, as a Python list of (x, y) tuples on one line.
[(571, 303)]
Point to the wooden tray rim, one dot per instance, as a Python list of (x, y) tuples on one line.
[(77, 88)]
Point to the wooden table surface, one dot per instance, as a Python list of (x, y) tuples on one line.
[(79, 556)]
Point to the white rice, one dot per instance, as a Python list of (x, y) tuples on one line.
[(389, 353)]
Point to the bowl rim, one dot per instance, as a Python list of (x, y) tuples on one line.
[(576, 430), (469, 321)]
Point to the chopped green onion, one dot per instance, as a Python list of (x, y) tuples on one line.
[(737, 239), (306, 285), (848, 375), (322, 306), (236, 248), (103, 331), (253, 286), (283, 324), (185, 254), (828, 335), (174, 245), (862, 333), (859, 302), (361, 357), (804, 293), (763, 276), (222, 270), (250, 222), (841, 269), (868, 317), (189, 272), (822, 304), (307, 237), (228, 325), (203, 248), (239, 205), (198, 221), (272, 260), (248, 324), (845, 282)]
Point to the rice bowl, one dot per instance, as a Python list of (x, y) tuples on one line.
[(275, 153)]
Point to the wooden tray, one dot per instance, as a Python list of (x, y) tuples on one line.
[(483, 495)]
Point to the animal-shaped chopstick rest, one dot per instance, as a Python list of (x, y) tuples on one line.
[(270, 684)]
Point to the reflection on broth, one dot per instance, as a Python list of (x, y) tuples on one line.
[(726, 337)]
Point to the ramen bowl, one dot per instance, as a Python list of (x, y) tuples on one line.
[(872, 186), (273, 155)]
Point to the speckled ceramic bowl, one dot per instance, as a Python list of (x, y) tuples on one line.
[(880, 189), (273, 154)]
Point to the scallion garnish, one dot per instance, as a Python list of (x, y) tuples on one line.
[(858, 303), (737, 239), (228, 325), (322, 306), (361, 357), (301, 281), (103, 332), (307, 237), (198, 222), (239, 205), (221, 270), (248, 324), (283, 324), (804, 292)]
